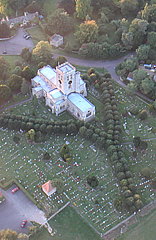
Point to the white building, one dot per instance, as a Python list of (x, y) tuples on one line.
[(56, 40), (63, 89)]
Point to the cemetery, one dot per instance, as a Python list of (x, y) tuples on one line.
[(24, 162)]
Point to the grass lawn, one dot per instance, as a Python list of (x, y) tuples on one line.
[(11, 59), (37, 33), (68, 225), (144, 229)]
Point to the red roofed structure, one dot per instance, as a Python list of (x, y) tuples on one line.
[(48, 189)]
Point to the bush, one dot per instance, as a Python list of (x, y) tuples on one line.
[(127, 193), (92, 181), (146, 172), (143, 115), (143, 145)]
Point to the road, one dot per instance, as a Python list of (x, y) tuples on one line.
[(15, 45), (109, 65)]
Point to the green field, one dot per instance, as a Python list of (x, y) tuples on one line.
[(68, 225), (143, 230)]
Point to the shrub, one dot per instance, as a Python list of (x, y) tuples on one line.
[(143, 115), (146, 172), (120, 176), (127, 193)]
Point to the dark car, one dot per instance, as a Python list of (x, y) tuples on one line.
[(23, 223), (15, 189), (4, 52)]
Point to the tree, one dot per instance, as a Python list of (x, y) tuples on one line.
[(59, 23), (8, 234), (118, 203), (92, 181), (143, 145), (143, 115), (146, 172), (87, 32), (128, 7), (130, 89), (67, 5), (14, 82), (24, 87), (17, 71), (151, 39), (4, 30), (136, 141), (23, 236), (5, 92), (143, 52), (61, 59), (65, 153), (34, 101), (46, 156), (83, 8), (147, 85), (58, 183), (4, 69), (42, 52), (31, 134), (26, 54), (138, 76), (28, 73), (68, 47)]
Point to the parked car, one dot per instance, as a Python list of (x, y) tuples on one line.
[(15, 189), (4, 52), (27, 37), (23, 223), (148, 66)]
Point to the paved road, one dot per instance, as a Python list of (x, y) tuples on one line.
[(16, 208), (15, 45), (109, 65)]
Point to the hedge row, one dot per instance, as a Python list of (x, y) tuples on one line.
[(117, 157)]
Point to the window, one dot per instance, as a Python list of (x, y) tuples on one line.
[(71, 76), (78, 114), (88, 114), (67, 78), (60, 82)]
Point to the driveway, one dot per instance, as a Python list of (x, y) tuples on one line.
[(16, 208), (15, 45)]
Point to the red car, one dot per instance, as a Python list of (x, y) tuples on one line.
[(15, 189), (23, 223)]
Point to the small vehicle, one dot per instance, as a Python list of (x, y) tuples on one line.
[(4, 52), (15, 189), (27, 37), (23, 223), (148, 66)]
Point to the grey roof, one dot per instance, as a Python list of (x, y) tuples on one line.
[(80, 102), (56, 37), (55, 93), (61, 101), (65, 68), (38, 89), (44, 85), (37, 79), (48, 72)]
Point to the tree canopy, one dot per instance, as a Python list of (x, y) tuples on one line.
[(42, 52), (87, 32)]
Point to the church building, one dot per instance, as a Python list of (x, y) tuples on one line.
[(63, 89)]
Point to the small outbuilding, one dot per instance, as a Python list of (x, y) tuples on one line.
[(56, 40), (48, 189)]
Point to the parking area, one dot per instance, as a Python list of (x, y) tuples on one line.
[(15, 45), (16, 208)]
